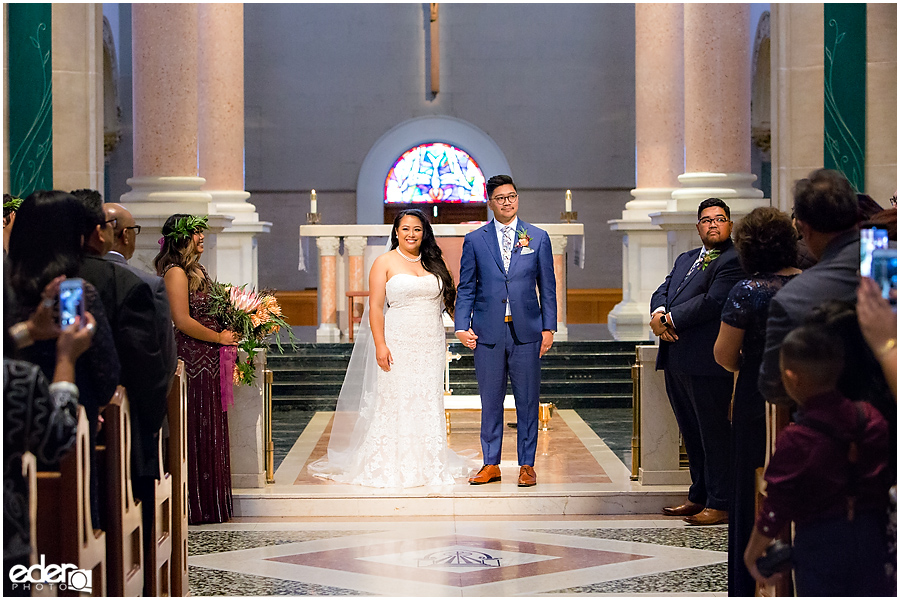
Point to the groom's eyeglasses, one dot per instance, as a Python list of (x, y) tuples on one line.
[(506, 199)]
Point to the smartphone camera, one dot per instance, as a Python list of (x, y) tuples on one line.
[(71, 301), (884, 272), (870, 240)]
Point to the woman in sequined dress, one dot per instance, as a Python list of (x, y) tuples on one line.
[(198, 337), (766, 243)]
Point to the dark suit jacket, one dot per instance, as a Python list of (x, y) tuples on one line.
[(146, 375), (834, 277), (484, 286), (696, 307)]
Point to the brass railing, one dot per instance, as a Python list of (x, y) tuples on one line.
[(267, 426), (636, 370)]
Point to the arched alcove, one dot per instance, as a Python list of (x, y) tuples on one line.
[(459, 133)]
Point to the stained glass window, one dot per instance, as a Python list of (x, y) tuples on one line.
[(433, 173)]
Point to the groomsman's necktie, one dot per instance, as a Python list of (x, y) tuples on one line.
[(695, 266), (506, 230)]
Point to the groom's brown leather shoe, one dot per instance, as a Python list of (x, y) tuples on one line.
[(685, 510), (708, 516), (487, 474), (527, 477)]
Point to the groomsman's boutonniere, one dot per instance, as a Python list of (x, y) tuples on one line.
[(524, 238), (710, 256)]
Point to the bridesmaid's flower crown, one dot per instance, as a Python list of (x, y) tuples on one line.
[(12, 204), (185, 227)]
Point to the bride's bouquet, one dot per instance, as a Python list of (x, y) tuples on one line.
[(253, 317)]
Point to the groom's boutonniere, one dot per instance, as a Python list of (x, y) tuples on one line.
[(710, 256), (524, 238)]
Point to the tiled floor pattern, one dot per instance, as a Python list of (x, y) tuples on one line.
[(458, 557)]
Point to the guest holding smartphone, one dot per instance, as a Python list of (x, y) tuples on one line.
[(44, 245)]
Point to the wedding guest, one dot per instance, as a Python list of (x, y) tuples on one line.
[(38, 418), (143, 337), (46, 243), (198, 337), (766, 244), (878, 323), (829, 475)]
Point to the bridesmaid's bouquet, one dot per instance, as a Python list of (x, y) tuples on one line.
[(253, 316)]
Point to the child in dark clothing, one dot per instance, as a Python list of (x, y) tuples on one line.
[(829, 475)]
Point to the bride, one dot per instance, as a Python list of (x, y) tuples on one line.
[(389, 428)]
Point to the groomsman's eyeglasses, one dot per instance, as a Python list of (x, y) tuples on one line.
[(706, 221), (137, 229), (506, 199)]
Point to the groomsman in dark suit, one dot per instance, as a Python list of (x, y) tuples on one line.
[(686, 311)]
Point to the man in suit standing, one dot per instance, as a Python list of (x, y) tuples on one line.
[(146, 357), (499, 316), (686, 311)]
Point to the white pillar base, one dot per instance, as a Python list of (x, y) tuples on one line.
[(152, 200), (734, 188), (644, 268), (328, 332), (236, 250)]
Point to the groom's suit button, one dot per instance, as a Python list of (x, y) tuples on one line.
[(503, 301)]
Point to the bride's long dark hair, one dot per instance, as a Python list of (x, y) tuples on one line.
[(432, 258)]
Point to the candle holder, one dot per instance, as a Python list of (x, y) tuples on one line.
[(568, 216), (313, 218)]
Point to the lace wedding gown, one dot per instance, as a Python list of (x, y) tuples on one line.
[(404, 441)]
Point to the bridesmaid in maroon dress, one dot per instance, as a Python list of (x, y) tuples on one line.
[(198, 336)]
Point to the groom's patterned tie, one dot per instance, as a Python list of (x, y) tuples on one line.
[(506, 230)]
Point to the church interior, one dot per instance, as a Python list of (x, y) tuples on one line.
[(288, 125)]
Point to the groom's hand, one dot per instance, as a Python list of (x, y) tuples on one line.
[(467, 338), (546, 341)]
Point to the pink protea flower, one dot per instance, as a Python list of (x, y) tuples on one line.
[(244, 300)]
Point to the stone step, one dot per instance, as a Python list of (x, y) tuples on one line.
[(312, 403), (554, 373)]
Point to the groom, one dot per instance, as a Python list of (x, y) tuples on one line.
[(504, 266)]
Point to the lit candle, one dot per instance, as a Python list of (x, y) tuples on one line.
[(568, 200), (312, 201)]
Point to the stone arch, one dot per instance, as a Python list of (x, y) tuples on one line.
[(374, 169)]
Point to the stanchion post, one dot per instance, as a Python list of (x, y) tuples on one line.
[(636, 416), (267, 419)]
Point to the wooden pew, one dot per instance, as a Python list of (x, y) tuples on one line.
[(177, 468), (124, 523), (158, 561), (65, 532)]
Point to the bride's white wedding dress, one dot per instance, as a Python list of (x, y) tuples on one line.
[(400, 429)]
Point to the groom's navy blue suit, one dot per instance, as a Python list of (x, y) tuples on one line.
[(507, 348)]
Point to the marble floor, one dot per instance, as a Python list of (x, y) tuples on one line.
[(585, 529)]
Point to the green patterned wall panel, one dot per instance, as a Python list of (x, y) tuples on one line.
[(845, 91), (30, 98)]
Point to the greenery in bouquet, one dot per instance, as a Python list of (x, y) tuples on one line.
[(253, 316)]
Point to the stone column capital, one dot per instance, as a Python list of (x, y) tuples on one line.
[(355, 246), (328, 246), (558, 243)]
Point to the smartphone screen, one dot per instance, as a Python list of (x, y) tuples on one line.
[(71, 301), (869, 241), (884, 272)]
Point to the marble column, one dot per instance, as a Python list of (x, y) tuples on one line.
[(659, 142), (221, 139), (356, 249), (558, 244), (165, 108), (717, 120), (328, 330)]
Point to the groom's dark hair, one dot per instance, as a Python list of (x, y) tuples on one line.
[(496, 181)]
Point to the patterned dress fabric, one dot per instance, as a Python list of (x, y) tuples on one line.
[(406, 444), (747, 308), (40, 419), (209, 463)]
